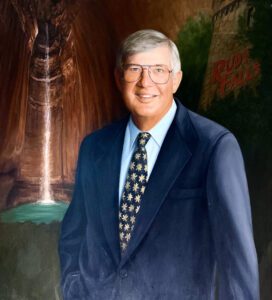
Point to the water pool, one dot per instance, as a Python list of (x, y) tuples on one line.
[(35, 212)]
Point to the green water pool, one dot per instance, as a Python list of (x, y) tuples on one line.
[(35, 212)]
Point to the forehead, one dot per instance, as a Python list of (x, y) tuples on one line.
[(159, 55)]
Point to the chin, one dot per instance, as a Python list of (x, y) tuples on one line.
[(144, 113)]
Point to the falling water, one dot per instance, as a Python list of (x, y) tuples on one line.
[(46, 194)]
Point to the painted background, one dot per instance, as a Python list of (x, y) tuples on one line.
[(56, 65)]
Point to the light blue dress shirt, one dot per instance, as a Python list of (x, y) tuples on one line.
[(153, 146)]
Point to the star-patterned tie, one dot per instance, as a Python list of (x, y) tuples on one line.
[(134, 188)]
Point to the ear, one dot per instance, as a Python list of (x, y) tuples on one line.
[(118, 78), (177, 77)]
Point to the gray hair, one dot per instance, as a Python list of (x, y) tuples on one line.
[(144, 40)]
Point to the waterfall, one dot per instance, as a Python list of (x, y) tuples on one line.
[(46, 193)]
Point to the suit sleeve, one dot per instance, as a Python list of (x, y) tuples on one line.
[(231, 223), (72, 232)]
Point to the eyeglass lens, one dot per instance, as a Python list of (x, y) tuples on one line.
[(157, 73)]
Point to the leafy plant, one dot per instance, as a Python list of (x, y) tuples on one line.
[(194, 43)]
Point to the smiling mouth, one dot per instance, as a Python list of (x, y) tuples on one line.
[(146, 96)]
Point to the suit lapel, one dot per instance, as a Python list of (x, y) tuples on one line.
[(108, 170), (174, 154)]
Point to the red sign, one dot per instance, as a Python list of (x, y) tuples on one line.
[(235, 72)]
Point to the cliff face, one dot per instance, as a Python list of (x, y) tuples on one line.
[(14, 58), (57, 63)]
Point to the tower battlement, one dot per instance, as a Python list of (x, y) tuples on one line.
[(225, 8)]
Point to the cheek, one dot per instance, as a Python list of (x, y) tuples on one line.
[(129, 99), (166, 91), (128, 91)]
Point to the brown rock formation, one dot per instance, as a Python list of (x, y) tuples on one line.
[(163, 15), (49, 34), (80, 39)]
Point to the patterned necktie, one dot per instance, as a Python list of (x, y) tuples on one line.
[(134, 188)]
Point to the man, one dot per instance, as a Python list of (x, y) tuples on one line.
[(161, 202)]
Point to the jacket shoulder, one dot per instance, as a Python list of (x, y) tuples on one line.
[(206, 129), (105, 134)]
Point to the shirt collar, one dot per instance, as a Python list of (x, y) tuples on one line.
[(158, 132)]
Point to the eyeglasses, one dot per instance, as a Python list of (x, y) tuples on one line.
[(157, 73)]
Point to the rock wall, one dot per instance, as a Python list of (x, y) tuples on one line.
[(83, 37), (163, 15)]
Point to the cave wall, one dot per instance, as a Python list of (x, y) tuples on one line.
[(14, 60), (162, 15), (84, 96)]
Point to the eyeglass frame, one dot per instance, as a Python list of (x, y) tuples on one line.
[(148, 69)]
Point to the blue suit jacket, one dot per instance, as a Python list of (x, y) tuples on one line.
[(194, 221)]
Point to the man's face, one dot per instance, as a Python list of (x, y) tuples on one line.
[(148, 101)]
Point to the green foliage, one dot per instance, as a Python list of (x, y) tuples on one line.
[(194, 43), (260, 34), (244, 117), (260, 37)]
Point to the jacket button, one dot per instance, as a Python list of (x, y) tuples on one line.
[(123, 273)]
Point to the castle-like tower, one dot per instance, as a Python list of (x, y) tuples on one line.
[(229, 65)]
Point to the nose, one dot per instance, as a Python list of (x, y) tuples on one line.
[(145, 79)]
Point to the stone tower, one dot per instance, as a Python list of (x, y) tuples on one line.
[(229, 65)]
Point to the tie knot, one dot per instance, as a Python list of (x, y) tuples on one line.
[(143, 138)]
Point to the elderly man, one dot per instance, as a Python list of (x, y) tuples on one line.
[(161, 202)]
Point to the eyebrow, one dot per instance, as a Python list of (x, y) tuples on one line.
[(158, 65)]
